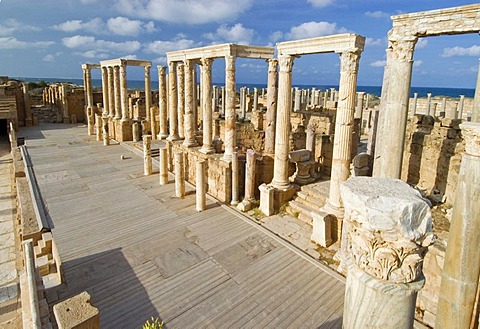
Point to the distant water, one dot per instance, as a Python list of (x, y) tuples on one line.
[(375, 90)]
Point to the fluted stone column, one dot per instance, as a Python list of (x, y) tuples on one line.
[(136, 132), (230, 112), (124, 91), (148, 93), (282, 131), (235, 185), (389, 229), (223, 100), (207, 146), (105, 133), (189, 122), (116, 87), (162, 103), (111, 92), (147, 155), (359, 106), (476, 100), (460, 107), (342, 140), (414, 106), (163, 166), (105, 90), (250, 174), (462, 260), (200, 193), (181, 100), (172, 102), (98, 125), (271, 106), (179, 175), (255, 100), (394, 108)]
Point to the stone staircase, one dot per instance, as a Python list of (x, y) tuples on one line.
[(309, 198)]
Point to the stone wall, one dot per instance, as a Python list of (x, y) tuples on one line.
[(47, 113), (246, 136), (437, 102), (432, 156)]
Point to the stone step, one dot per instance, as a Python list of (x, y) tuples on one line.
[(301, 211), (314, 202), (317, 190)]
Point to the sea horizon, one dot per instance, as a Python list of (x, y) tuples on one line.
[(375, 90)]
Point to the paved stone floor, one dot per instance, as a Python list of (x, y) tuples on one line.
[(141, 252), (10, 312)]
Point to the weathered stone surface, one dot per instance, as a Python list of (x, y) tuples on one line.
[(77, 312)]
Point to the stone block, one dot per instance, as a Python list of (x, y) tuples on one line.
[(77, 313), (299, 155), (267, 199), (322, 228)]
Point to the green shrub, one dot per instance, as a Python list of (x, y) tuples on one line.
[(154, 324)]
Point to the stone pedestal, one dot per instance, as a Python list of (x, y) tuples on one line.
[(322, 231), (267, 193), (250, 173), (98, 126), (163, 166), (90, 121), (235, 185), (77, 312), (389, 230), (179, 175), (105, 133), (135, 132), (201, 195), (147, 155), (123, 129), (458, 290)]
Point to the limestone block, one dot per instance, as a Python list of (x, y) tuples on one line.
[(77, 313), (299, 155), (266, 199), (322, 228)]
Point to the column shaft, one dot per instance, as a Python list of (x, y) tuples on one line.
[(105, 90), (148, 93), (172, 101), (181, 100), (235, 196), (147, 155), (116, 86), (207, 147), (162, 102), (179, 175), (163, 166), (200, 193), (124, 91), (271, 106), (282, 131), (111, 92), (230, 112), (189, 106), (476, 100)]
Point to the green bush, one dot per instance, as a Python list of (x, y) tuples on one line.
[(154, 324)]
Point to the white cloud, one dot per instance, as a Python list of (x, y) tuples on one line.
[(320, 3), (235, 34), (421, 43), (377, 14), (184, 11), (461, 51), (13, 43), (124, 26), (48, 58), (95, 25), (11, 25), (313, 29), (161, 47), (90, 43), (378, 63), (417, 63), (375, 42), (276, 36), (93, 54), (160, 60)]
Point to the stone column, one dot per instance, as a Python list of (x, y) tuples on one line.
[(116, 87), (135, 131), (66, 115), (148, 94), (414, 106), (394, 108), (460, 107), (297, 102), (163, 166), (162, 103), (255, 100), (230, 112), (200, 193), (235, 197), (389, 229), (153, 122), (243, 102), (342, 145), (476, 100), (124, 91), (28, 107), (428, 105), (207, 146), (223, 100), (359, 106), (310, 140), (282, 131), (179, 175), (189, 122), (462, 260), (271, 106), (105, 133), (105, 90), (111, 92), (147, 155), (250, 174), (98, 125), (181, 100), (172, 101)]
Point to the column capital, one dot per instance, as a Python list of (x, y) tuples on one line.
[(402, 48), (230, 62), (471, 134), (349, 60), (207, 63), (286, 63), (272, 64), (161, 69)]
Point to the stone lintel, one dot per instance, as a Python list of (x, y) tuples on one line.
[(128, 62), (220, 51), (337, 43), (91, 66)]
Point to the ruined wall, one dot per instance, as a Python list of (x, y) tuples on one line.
[(14, 88), (432, 156), (76, 104), (46, 114), (436, 102), (247, 137)]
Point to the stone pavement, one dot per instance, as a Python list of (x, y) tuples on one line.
[(10, 312)]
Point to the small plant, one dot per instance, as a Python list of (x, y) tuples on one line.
[(154, 324)]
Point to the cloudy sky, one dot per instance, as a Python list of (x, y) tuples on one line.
[(52, 38)]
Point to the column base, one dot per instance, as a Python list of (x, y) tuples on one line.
[(162, 136), (188, 143), (271, 198), (124, 131), (322, 230), (173, 138), (245, 205), (207, 150)]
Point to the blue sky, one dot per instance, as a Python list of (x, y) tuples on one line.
[(52, 38)]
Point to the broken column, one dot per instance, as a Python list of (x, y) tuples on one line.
[(179, 175), (250, 174), (163, 166), (271, 106), (162, 103), (428, 110), (98, 126), (147, 155), (414, 105), (200, 193), (460, 106), (389, 229), (106, 137), (458, 290), (235, 185)]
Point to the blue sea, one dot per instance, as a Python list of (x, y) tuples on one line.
[(375, 90)]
